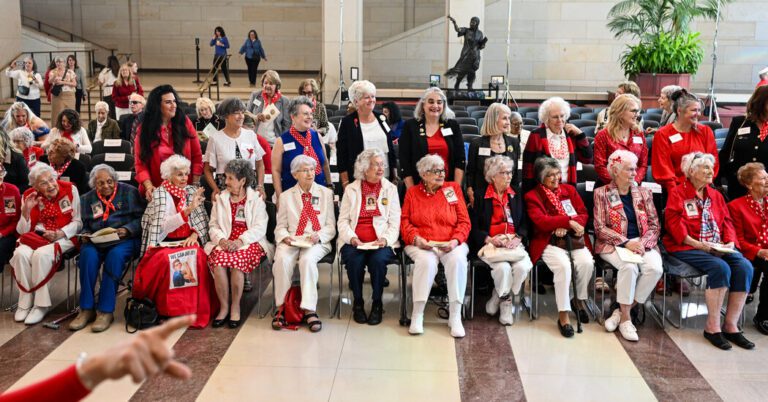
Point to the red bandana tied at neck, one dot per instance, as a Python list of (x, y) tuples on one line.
[(273, 99), (68, 135), (554, 198), (177, 193), (308, 214), (306, 142), (107, 203), (762, 211), (370, 190), (49, 213), (764, 131)]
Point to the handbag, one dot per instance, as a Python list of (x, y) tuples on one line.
[(33, 240), (491, 254), (23, 90), (576, 242), (291, 309), (56, 90), (140, 314)]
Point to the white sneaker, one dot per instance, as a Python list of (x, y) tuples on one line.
[(613, 321), (457, 329), (36, 315), (492, 307), (417, 324), (21, 314), (506, 316), (628, 331)]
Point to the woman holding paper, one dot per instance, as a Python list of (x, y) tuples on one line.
[(174, 226), (621, 133), (557, 211), (270, 107), (369, 226), (700, 233), (110, 204), (435, 226), (206, 114), (626, 222), (305, 228)]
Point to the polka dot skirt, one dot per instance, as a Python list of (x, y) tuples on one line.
[(244, 260)]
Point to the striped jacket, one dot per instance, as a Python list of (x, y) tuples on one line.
[(607, 235), (161, 218), (538, 146)]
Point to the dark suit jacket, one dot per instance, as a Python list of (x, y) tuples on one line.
[(110, 131), (738, 150), (126, 122), (350, 144), (476, 162), (481, 215), (413, 146)]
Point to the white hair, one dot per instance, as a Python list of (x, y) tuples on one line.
[(620, 158), (496, 164), (418, 112), (302, 160), (98, 168), (102, 105), (692, 161), (358, 89), (363, 161), (428, 163), (39, 169), (670, 89), (22, 133), (545, 107), (173, 164)]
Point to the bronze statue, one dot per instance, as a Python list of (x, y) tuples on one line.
[(469, 60)]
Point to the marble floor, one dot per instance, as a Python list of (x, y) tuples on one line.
[(350, 362)]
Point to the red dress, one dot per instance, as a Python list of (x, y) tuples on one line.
[(244, 260)]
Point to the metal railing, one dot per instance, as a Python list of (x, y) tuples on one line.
[(213, 72), (62, 34)]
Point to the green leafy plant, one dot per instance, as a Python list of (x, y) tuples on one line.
[(664, 54)]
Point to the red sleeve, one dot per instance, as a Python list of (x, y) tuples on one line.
[(62, 387), (542, 221), (661, 163), (196, 156), (578, 204), (729, 232), (673, 215), (642, 163), (267, 154), (118, 94), (601, 156), (142, 170), (461, 232), (10, 228), (407, 230), (139, 89), (711, 145), (740, 225)]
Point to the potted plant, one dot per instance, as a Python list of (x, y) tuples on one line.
[(666, 51)]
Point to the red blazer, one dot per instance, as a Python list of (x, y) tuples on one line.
[(121, 93), (679, 224), (607, 236), (164, 149), (747, 225), (62, 387), (605, 145), (666, 155), (545, 218), (433, 217), (10, 209)]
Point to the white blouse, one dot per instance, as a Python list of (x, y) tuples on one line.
[(80, 138), (221, 149), (375, 137)]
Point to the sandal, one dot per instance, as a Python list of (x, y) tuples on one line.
[(314, 325), (278, 322)]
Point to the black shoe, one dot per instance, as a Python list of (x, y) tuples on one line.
[(358, 313), (762, 326), (386, 282), (565, 330), (220, 323), (247, 285), (739, 339), (226, 84), (580, 312), (376, 311), (234, 323), (718, 340), (750, 298)]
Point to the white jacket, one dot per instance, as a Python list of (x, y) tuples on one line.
[(80, 138), (386, 226), (290, 210), (220, 226)]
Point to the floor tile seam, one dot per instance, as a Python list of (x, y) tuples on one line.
[(336, 369)]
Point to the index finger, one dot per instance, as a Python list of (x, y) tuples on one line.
[(170, 326)]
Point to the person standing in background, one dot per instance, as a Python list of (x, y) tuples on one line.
[(80, 88), (253, 52), (221, 44)]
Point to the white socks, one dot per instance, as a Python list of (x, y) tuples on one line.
[(454, 320), (417, 319)]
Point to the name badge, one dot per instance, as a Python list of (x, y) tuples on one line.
[(240, 214), (447, 131), (289, 146), (64, 178), (614, 199), (450, 195), (384, 201), (568, 207), (743, 131), (676, 138), (484, 151), (690, 208), (97, 209), (32, 158), (65, 206), (637, 140), (257, 102), (370, 203), (316, 204), (9, 204)]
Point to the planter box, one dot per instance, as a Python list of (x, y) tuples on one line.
[(651, 84)]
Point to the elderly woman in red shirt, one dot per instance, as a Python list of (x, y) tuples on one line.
[(750, 219), (700, 233), (557, 211), (622, 132), (165, 131), (10, 212), (435, 225)]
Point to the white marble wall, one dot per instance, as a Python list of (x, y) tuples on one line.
[(10, 39)]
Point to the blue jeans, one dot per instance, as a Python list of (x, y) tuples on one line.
[(114, 258), (731, 270), (376, 261)]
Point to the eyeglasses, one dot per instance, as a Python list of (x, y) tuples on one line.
[(134, 102), (507, 172), (635, 111), (306, 171), (307, 93), (436, 171)]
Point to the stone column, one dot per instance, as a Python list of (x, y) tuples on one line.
[(462, 11), (352, 26)]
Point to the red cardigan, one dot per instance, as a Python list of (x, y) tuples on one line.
[(605, 145), (666, 156), (122, 93), (747, 225), (538, 145), (62, 387), (432, 217), (679, 224), (163, 147), (9, 194), (545, 218)]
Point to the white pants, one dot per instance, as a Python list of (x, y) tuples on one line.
[(425, 270), (559, 263), (635, 281), (286, 258), (509, 277), (31, 267), (119, 111)]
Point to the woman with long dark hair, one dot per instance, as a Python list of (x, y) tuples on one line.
[(164, 131), (80, 88), (107, 78), (253, 52), (221, 44)]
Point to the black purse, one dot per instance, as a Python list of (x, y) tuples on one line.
[(140, 314), (56, 90), (23, 90)]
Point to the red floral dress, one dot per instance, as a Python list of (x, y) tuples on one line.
[(245, 260)]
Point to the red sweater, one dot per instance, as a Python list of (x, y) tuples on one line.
[(747, 225), (122, 93), (605, 145), (163, 148), (546, 219), (267, 154), (669, 147), (433, 217), (10, 210), (679, 224), (62, 387)]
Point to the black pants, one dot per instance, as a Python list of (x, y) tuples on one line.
[(108, 100), (376, 261), (78, 99), (7, 246), (253, 67), (761, 267), (224, 67)]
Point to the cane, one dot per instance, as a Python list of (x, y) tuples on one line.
[(573, 277)]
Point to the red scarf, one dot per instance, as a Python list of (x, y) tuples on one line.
[(305, 141), (314, 105), (764, 131), (762, 212), (60, 171), (554, 198), (179, 195), (308, 214), (107, 203), (372, 190), (68, 135), (273, 99)]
